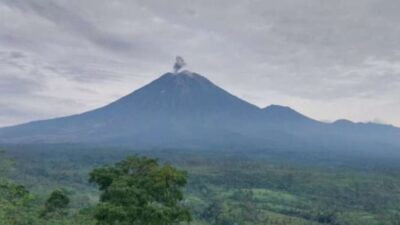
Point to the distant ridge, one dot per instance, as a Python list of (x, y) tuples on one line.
[(186, 110)]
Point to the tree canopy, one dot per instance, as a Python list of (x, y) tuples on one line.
[(56, 203), (140, 191)]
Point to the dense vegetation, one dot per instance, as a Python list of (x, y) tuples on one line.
[(270, 187), (136, 190), (139, 191)]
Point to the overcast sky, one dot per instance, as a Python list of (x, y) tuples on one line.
[(326, 59)]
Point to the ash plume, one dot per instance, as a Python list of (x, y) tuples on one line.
[(179, 63)]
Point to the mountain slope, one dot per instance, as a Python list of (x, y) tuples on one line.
[(186, 110), (175, 108)]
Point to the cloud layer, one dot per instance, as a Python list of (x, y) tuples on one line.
[(327, 59)]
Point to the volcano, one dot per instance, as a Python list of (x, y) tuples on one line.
[(186, 110)]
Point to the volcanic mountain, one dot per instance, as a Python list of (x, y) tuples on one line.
[(186, 110)]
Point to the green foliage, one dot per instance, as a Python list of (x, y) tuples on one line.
[(5, 165), (56, 204), (20, 207), (273, 188), (140, 191), (14, 201), (14, 198)]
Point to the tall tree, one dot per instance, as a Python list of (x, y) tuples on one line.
[(56, 203), (140, 191)]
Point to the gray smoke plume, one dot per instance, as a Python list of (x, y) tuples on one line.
[(179, 64)]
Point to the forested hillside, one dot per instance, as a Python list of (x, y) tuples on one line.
[(223, 188)]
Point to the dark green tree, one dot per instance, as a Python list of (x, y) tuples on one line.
[(56, 203), (140, 191)]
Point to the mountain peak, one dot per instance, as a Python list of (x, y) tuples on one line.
[(285, 113), (343, 122), (279, 109), (181, 94), (185, 73), (183, 78)]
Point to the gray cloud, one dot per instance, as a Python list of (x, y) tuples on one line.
[(10, 85), (69, 20), (329, 59)]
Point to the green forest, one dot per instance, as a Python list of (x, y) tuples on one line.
[(72, 184)]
